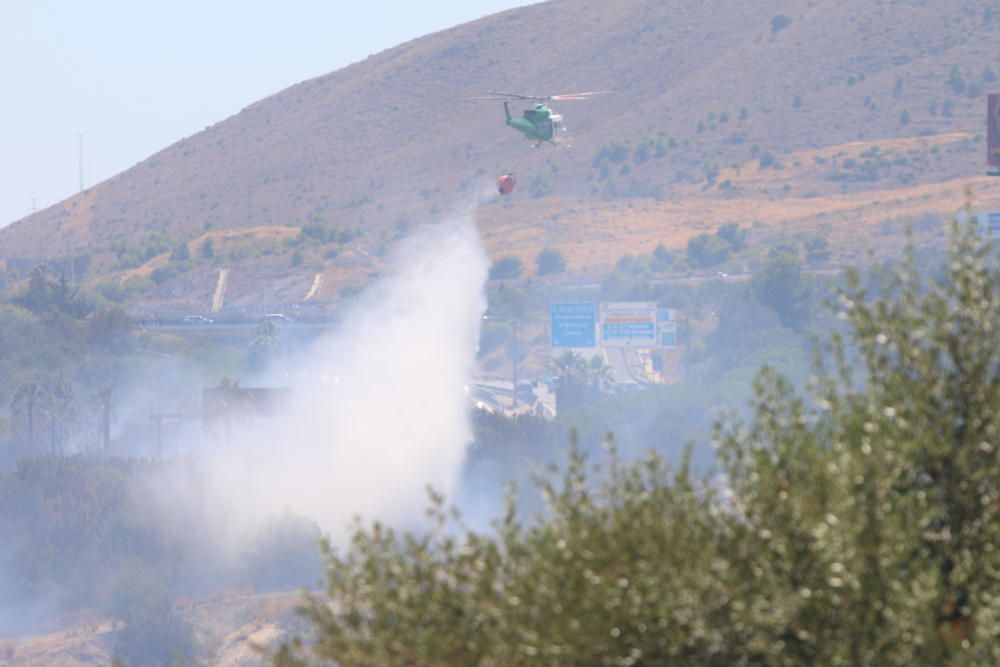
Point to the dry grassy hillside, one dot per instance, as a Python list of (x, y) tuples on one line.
[(716, 103), (231, 631)]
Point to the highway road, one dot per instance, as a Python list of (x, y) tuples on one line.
[(622, 372), (224, 327), (497, 393)]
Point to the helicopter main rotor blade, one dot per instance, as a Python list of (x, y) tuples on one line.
[(499, 95), (502, 96), (512, 96), (578, 96)]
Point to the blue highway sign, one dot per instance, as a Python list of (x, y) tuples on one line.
[(573, 324)]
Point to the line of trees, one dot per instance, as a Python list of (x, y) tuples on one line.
[(31, 404), (51, 330), (578, 381)]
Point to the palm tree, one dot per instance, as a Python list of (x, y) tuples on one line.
[(264, 345), (599, 374), (17, 409), (102, 397), (22, 406), (233, 392), (571, 388), (570, 365), (61, 401), (36, 297)]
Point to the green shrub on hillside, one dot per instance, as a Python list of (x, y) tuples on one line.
[(781, 285), (539, 186), (181, 253), (315, 231), (619, 285), (662, 259), (779, 23), (705, 250), (734, 234), (47, 293), (616, 153), (817, 249), (154, 634), (156, 243), (550, 261), (162, 274), (506, 268)]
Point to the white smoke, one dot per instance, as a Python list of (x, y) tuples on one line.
[(380, 409)]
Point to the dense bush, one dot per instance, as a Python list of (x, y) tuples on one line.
[(154, 635), (621, 285), (736, 235), (615, 153), (284, 556), (181, 253), (705, 250), (78, 534), (156, 243), (817, 249), (506, 268), (550, 261), (779, 23), (781, 285), (47, 293), (162, 274), (662, 259), (111, 329), (539, 186)]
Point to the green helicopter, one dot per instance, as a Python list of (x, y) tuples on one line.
[(539, 123)]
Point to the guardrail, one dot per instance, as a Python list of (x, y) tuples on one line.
[(147, 322)]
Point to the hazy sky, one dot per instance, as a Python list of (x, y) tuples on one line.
[(133, 77)]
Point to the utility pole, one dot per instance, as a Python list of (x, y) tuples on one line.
[(515, 323), (72, 263), (79, 138), (158, 435), (517, 345), (103, 398), (52, 429)]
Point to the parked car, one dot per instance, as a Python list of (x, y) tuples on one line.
[(197, 319), (277, 318)]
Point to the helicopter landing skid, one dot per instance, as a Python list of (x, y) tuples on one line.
[(555, 144)]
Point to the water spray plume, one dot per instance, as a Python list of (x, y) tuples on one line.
[(383, 412)]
